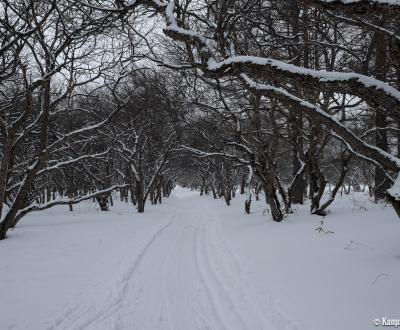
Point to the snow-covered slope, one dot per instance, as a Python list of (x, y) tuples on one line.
[(193, 263)]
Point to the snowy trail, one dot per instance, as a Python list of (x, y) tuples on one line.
[(192, 263), (185, 277)]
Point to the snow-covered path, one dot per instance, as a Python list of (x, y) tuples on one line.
[(185, 277), (193, 263)]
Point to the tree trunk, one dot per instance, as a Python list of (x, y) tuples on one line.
[(273, 203), (140, 196), (343, 171), (247, 203), (297, 190), (247, 206), (160, 184), (381, 139), (243, 184), (395, 203), (227, 197), (133, 194), (102, 200)]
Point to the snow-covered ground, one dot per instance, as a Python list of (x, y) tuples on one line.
[(193, 263)]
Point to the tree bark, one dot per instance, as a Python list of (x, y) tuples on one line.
[(102, 200), (140, 196), (381, 139)]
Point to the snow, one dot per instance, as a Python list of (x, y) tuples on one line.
[(194, 263), (321, 113), (322, 76), (394, 190), (173, 25), (386, 2)]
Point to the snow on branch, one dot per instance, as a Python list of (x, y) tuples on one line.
[(376, 129), (368, 88), (359, 7), (359, 21), (204, 154), (358, 146), (372, 90), (176, 32), (67, 200), (71, 161), (82, 130), (394, 191), (350, 83), (361, 156)]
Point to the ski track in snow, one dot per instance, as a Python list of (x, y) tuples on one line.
[(185, 277), (76, 313)]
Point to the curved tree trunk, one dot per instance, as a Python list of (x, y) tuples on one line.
[(273, 203)]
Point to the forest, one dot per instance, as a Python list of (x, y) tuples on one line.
[(275, 104)]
